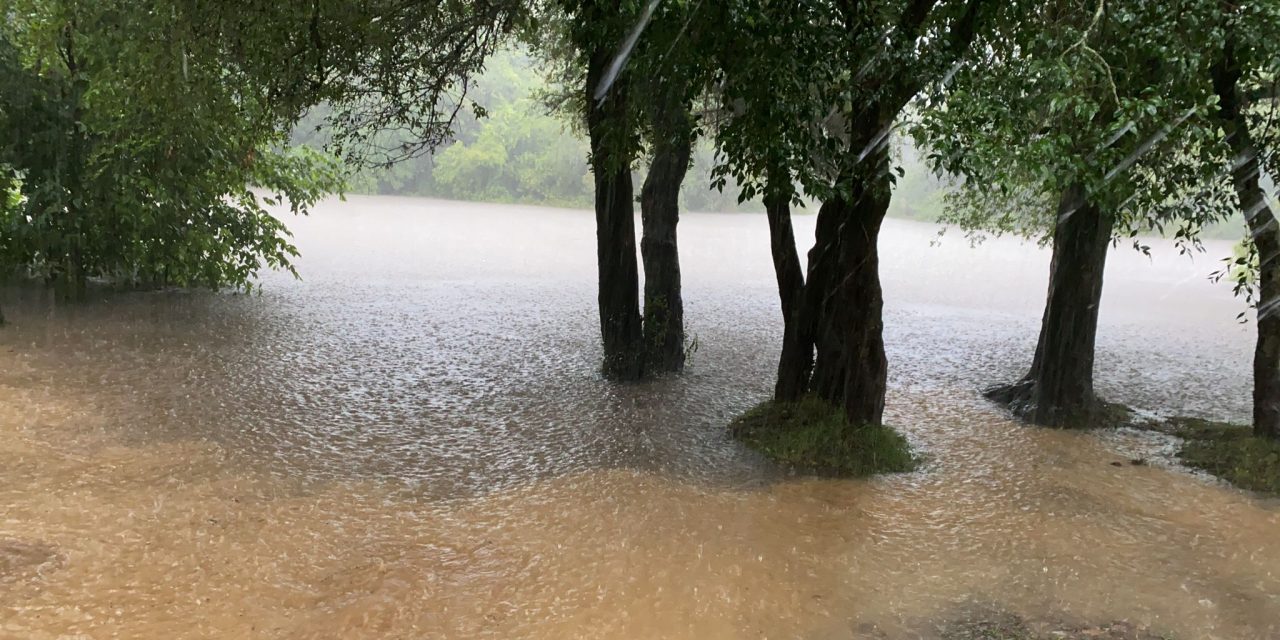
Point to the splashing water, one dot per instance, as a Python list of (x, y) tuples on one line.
[(413, 442)]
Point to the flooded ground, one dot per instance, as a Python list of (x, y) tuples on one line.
[(413, 442)]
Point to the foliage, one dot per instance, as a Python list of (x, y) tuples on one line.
[(1246, 38), (815, 437), (136, 155), (1107, 96), (136, 129), (382, 66), (919, 193), (517, 151), (809, 91)]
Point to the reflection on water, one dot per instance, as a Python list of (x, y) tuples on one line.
[(413, 442)]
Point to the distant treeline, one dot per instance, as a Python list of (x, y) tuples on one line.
[(519, 152), (516, 151)]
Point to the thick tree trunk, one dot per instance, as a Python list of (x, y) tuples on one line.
[(841, 310), (862, 309), (620, 324), (660, 213), (852, 371), (1058, 389), (1265, 232), (796, 360)]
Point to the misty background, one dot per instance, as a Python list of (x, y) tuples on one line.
[(520, 152)]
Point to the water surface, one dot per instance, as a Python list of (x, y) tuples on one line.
[(413, 442)]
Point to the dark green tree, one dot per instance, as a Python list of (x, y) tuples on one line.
[(139, 131), (136, 149), (671, 70), (596, 34), (638, 70), (1085, 123), (810, 94), (1244, 73)]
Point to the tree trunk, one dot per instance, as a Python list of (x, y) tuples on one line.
[(1058, 389), (1266, 354), (620, 324), (866, 377), (827, 379), (852, 371), (796, 360), (1265, 232), (660, 213), (841, 311)]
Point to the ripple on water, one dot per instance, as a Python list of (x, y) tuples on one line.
[(414, 442)]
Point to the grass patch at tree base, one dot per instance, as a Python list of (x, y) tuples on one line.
[(1228, 451), (813, 437)]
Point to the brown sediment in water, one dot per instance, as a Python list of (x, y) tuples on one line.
[(357, 456), (984, 623), (22, 558), (611, 554)]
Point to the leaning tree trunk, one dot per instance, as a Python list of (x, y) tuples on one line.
[(660, 213), (1058, 389), (826, 344), (1265, 232), (620, 324), (796, 360)]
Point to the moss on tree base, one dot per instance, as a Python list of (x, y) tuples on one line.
[(813, 437), (1228, 451)]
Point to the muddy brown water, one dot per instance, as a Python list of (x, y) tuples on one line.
[(413, 442)]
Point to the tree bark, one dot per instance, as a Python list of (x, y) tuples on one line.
[(620, 323), (852, 371), (839, 317), (827, 379), (1265, 232), (660, 213), (1266, 353), (796, 361), (862, 303), (1058, 389), (843, 303)]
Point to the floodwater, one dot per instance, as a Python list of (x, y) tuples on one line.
[(413, 442)]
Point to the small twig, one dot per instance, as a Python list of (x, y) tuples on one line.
[(1083, 45)]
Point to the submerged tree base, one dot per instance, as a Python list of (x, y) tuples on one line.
[(995, 625), (1020, 399), (814, 437), (1228, 451)]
